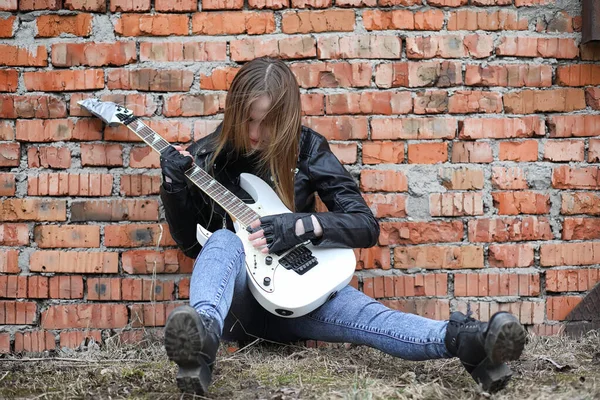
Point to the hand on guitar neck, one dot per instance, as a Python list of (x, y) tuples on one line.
[(174, 161)]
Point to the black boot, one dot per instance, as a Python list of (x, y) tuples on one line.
[(484, 347), (192, 341)]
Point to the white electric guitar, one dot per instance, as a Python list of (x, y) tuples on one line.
[(290, 285)]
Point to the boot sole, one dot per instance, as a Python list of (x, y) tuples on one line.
[(183, 330), (505, 339), (492, 377)]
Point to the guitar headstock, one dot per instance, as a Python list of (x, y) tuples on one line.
[(111, 113)]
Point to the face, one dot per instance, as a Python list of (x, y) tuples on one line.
[(258, 110)]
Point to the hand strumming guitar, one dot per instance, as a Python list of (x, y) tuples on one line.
[(280, 232)]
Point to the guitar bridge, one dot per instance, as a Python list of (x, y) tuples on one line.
[(299, 260)]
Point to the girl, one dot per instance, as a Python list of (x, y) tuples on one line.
[(261, 133)]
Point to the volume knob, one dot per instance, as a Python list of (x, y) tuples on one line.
[(267, 281), (268, 260)]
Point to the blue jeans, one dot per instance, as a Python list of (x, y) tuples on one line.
[(219, 289)]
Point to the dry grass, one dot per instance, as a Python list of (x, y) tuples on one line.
[(551, 368)]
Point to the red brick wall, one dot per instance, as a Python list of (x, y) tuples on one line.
[(473, 127)]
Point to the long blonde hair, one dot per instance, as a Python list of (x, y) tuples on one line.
[(283, 121)]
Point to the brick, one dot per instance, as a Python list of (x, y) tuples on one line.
[(582, 253), (317, 21), (12, 286), (144, 157), (509, 178), (413, 128), (527, 3), (571, 280), (431, 102), (100, 316), (135, 289), (359, 46), (521, 46), (592, 97), (362, 3), (449, 46), (559, 22), (420, 232), (427, 153), (509, 229), (311, 3), (75, 339), (525, 151), (85, 5), (476, 285), (561, 126), (183, 288), (345, 152), (564, 150), (494, 20), (152, 25), (151, 261), (33, 210), (429, 20), (438, 309), (44, 130), (461, 178), (383, 152), (170, 52), (14, 235), (8, 185), (37, 287), (104, 289), (566, 177), (418, 285), (222, 4), (5, 337), (580, 203), (135, 235), (110, 155), (527, 311), (32, 106), (471, 152), (93, 54), (219, 78), (339, 127), (272, 4), (129, 5), (66, 287), (291, 47), (81, 262), (16, 56), (53, 25), (9, 262), (467, 101), (139, 185), (34, 341), (17, 312), (387, 204), (455, 204), (9, 5), (501, 128), (578, 75), (382, 180), (30, 5), (559, 307), (511, 75), (312, 103), (9, 81), (178, 6), (191, 105), (536, 101), (10, 154), (50, 236), (581, 228), (438, 257), (419, 74), (114, 210), (60, 81), (150, 79), (67, 184), (594, 151), (7, 130), (521, 202), (511, 255), (151, 314), (447, 3), (590, 51), (386, 103), (48, 157)]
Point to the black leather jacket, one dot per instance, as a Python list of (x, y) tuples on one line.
[(349, 222)]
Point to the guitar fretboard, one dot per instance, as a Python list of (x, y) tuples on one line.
[(209, 185)]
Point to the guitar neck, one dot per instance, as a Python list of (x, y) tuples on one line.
[(209, 185)]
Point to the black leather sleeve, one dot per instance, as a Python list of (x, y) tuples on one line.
[(182, 216), (349, 222)]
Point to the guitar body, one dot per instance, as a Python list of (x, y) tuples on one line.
[(293, 291)]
